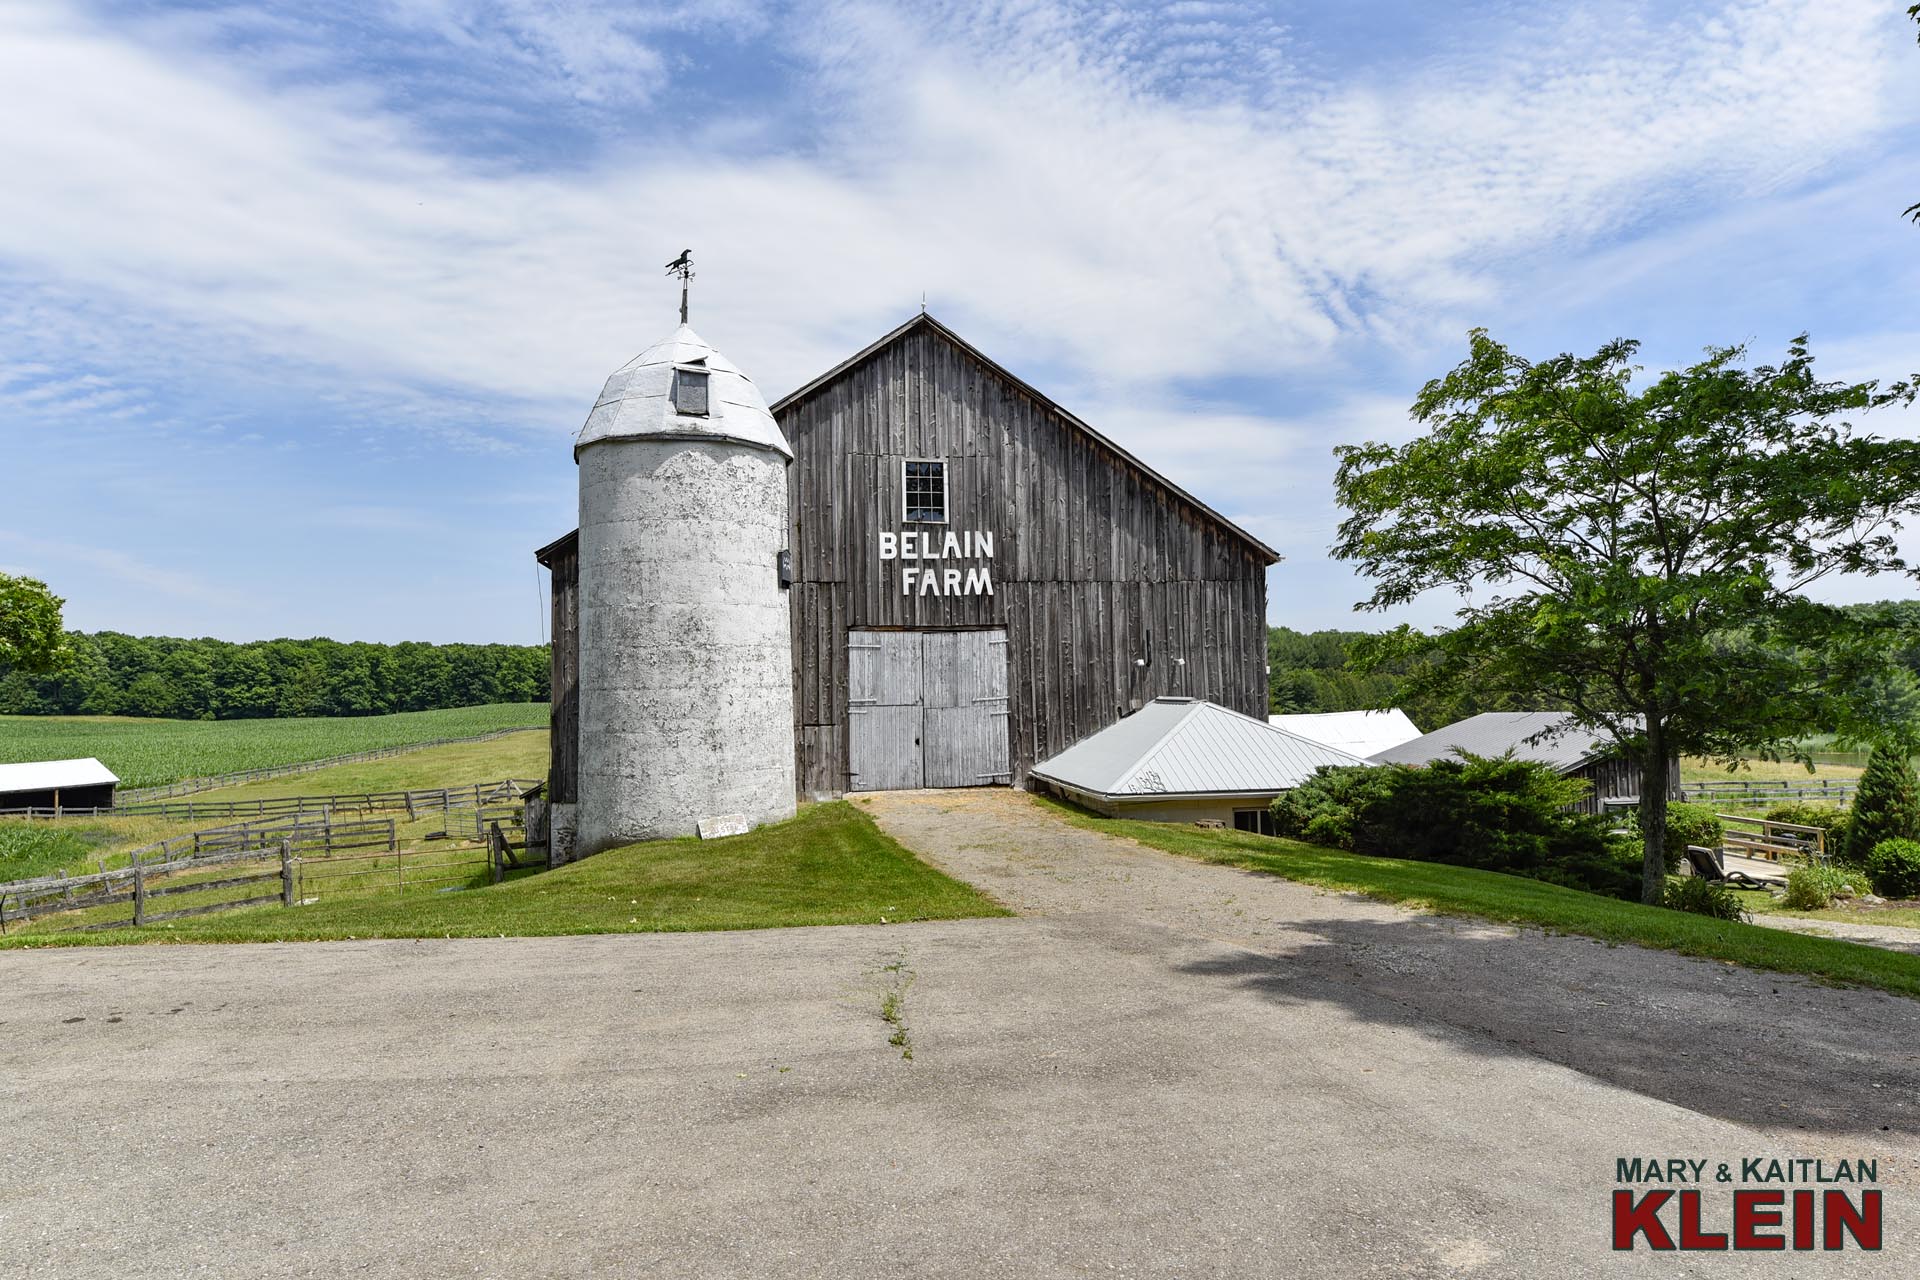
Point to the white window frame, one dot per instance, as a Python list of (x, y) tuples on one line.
[(946, 492)]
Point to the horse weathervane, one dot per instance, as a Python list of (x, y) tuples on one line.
[(682, 266)]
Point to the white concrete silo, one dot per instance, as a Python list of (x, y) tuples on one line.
[(686, 693)]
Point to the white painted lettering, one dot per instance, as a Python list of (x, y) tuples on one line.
[(930, 583), (983, 544), (950, 549), (979, 582), (906, 580), (889, 546)]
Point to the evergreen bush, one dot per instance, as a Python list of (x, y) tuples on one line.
[(1887, 806), (1494, 814)]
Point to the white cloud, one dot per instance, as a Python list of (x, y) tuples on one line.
[(1119, 196), (1016, 169)]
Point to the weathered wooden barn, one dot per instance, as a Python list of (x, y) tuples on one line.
[(979, 579)]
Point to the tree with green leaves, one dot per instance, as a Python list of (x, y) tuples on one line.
[(1637, 556), (30, 626)]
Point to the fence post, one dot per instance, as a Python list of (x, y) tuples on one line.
[(139, 893), (393, 837), (286, 873), (3, 912)]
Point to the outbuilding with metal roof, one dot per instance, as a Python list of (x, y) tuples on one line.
[(84, 783), (1187, 760)]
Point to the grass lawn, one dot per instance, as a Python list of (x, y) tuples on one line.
[(518, 755), (829, 865), (1516, 900), (1694, 769), (146, 752)]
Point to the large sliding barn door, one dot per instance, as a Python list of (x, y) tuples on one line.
[(928, 709)]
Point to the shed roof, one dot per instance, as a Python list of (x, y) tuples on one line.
[(925, 321), (637, 400), (50, 775), (1495, 733), (1187, 746), (1360, 732)]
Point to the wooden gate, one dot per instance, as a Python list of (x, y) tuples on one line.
[(927, 709)]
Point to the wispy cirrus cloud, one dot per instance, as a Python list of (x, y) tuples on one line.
[(441, 221)]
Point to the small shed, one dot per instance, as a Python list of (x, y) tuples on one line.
[(1187, 760), (1359, 733), (1549, 737), (57, 784)]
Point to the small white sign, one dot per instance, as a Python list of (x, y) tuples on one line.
[(727, 824)]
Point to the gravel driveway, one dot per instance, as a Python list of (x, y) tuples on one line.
[(1780, 1053)]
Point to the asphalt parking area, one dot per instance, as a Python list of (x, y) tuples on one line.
[(1087, 1094)]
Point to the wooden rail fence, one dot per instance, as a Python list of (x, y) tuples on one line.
[(242, 842), (189, 786), (1755, 789), (475, 795)]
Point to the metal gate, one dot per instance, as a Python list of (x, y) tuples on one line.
[(927, 709)]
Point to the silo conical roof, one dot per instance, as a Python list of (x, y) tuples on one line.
[(638, 402)]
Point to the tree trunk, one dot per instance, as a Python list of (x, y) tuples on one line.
[(1653, 814)]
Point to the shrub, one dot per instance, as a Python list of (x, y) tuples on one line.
[(1704, 898), (1813, 888), (1894, 868), (1691, 824), (1887, 806), (1494, 814)]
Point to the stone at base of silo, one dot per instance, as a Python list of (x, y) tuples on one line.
[(727, 824)]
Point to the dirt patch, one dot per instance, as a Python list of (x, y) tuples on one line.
[(1769, 1050)]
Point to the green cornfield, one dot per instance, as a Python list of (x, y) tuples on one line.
[(147, 752)]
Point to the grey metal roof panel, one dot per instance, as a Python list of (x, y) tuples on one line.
[(1181, 746), (1495, 733)]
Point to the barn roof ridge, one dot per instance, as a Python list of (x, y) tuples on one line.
[(924, 320)]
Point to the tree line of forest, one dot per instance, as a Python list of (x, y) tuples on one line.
[(107, 673), (1308, 671)]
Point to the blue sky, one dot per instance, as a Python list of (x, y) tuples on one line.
[(300, 305)]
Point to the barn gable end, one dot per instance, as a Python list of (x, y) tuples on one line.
[(1110, 584)]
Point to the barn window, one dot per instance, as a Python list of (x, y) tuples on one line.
[(690, 392), (924, 492), (1258, 821)]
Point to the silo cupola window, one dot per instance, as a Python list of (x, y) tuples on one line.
[(690, 392), (925, 491)]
